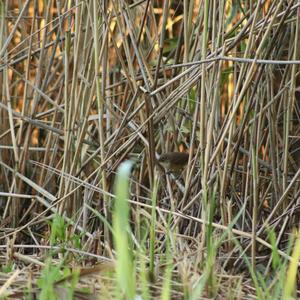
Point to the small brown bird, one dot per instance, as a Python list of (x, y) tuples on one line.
[(174, 161)]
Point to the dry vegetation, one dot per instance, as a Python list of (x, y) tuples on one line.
[(86, 85)]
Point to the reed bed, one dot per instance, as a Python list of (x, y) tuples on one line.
[(92, 92)]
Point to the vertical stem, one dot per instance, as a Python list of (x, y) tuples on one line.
[(100, 100)]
